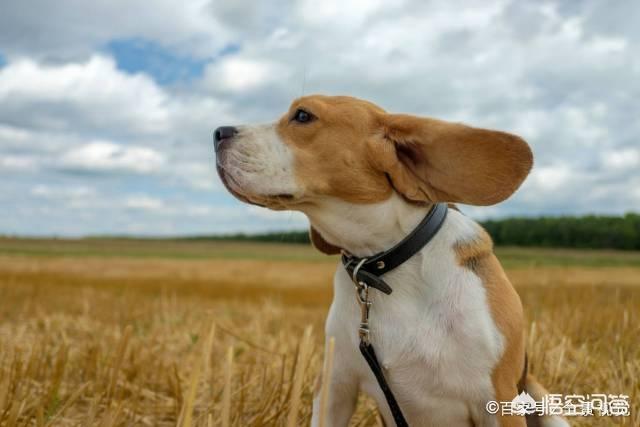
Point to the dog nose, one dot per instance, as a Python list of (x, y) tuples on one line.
[(222, 133)]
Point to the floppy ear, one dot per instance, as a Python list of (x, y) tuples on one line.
[(320, 244), (429, 160)]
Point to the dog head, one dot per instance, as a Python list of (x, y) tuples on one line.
[(350, 149)]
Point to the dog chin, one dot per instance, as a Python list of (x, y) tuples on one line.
[(277, 201), (233, 187)]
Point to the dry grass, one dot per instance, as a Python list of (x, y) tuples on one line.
[(209, 341)]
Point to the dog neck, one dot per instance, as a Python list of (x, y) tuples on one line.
[(365, 229)]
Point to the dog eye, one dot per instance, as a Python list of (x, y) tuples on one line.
[(302, 116)]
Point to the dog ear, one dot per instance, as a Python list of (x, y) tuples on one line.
[(429, 160), (320, 244)]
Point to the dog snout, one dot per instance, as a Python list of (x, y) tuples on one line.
[(222, 134)]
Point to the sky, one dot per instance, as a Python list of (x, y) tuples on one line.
[(107, 108)]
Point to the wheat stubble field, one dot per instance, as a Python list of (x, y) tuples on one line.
[(163, 333)]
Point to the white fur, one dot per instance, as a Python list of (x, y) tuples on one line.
[(259, 163), (554, 421), (434, 334)]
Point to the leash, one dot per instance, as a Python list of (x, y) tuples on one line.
[(366, 272)]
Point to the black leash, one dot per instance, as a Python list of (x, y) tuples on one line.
[(366, 272)]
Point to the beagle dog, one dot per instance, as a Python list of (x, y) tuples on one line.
[(450, 338)]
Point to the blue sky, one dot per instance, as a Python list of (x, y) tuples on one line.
[(145, 56), (135, 55), (106, 118)]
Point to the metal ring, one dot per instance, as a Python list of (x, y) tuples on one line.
[(354, 275), (346, 266)]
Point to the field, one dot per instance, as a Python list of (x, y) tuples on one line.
[(136, 332)]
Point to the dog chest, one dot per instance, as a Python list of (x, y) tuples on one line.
[(434, 335)]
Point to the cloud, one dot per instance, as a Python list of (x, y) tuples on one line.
[(67, 119), (47, 30), (50, 192), (90, 96), (549, 178), (101, 156), (623, 159), (235, 74), (564, 75), (144, 203), (17, 163)]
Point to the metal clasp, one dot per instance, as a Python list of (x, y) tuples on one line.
[(362, 296)]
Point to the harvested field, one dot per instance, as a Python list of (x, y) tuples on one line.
[(117, 332)]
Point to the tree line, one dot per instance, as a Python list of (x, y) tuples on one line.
[(591, 231)]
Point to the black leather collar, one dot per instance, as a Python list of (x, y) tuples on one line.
[(376, 265)]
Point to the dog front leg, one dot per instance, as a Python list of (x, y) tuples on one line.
[(481, 417), (341, 398)]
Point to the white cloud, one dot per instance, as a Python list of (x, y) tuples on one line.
[(48, 112), (17, 163), (242, 74), (63, 193), (565, 77), (603, 44), (145, 203), (9, 134), (53, 30), (198, 175), (338, 13), (93, 92), (624, 159), (102, 156), (549, 178)]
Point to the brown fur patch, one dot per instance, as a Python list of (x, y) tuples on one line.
[(331, 153), (506, 311), (321, 244), (357, 152)]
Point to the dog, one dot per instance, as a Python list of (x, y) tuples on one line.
[(450, 338)]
